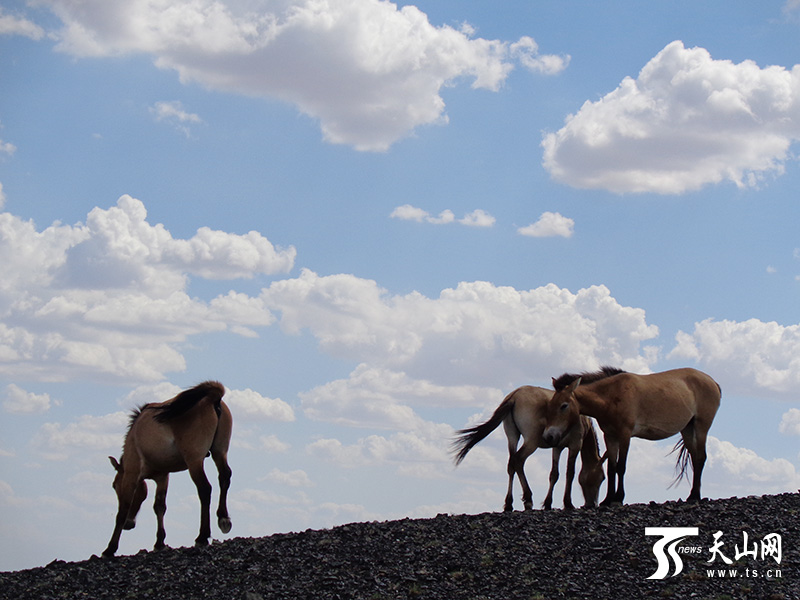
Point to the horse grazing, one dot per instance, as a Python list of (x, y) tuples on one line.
[(626, 405), (168, 437), (522, 413)]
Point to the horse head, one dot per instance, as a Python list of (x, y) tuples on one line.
[(561, 414), (124, 494)]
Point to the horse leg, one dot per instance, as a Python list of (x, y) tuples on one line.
[(556, 458), (512, 435), (160, 508), (523, 453), (204, 493), (130, 495), (572, 457), (695, 442), (612, 450), (622, 461), (223, 519)]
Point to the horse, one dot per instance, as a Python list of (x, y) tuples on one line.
[(522, 413), (626, 405), (168, 437)]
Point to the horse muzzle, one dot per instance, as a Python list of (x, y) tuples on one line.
[(551, 437)]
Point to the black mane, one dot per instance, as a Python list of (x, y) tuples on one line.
[(559, 383)]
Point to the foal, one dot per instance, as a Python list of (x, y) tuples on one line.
[(168, 437), (522, 413)]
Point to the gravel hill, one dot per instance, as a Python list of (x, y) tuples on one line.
[(597, 554)]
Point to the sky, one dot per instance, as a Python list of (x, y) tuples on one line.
[(371, 221)]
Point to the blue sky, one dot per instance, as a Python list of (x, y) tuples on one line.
[(371, 221)]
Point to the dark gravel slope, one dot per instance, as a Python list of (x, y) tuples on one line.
[(536, 555)]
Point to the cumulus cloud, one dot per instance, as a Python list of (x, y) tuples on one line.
[(475, 334), (790, 422), (369, 71), (549, 225), (296, 478), (18, 401), (753, 473), (108, 298), (253, 405), (380, 398), (752, 355), (686, 121), (56, 441), (477, 218)]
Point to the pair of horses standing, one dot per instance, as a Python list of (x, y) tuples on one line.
[(625, 405)]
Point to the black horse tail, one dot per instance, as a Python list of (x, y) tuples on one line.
[(187, 400), (682, 464), (466, 438)]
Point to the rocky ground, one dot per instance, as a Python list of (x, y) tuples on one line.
[(597, 554)]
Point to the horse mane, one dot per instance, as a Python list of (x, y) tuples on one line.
[(559, 383), (187, 399)]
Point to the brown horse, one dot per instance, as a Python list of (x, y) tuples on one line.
[(522, 413), (626, 405), (168, 437)]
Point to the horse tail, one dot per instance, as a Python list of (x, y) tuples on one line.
[(187, 399), (682, 464), (466, 438)]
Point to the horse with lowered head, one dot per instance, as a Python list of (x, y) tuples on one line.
[(168, 437), (626, 405), (522, 413)]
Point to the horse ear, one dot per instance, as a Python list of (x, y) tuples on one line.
[(574, 385), (114, 463)]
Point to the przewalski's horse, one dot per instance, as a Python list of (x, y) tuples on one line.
[(522, 413), (168, 437), (626, 405)]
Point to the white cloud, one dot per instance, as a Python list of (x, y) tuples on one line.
[(56, 441), (109, 299), (174, 113), (252, 405), (750, 355), (477, 218), (751, 472), (374, 397), (686, 121), (790, 422), (549, 225), (369, 71), (475, 334), (296, 478), (7, 148), (526, 50), (406, 212), (412, 453), (18, 401), (271, 443), (11, 25)]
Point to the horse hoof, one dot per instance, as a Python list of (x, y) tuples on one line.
[(224, 524)]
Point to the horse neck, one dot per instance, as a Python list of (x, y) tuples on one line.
[(591, 404), (590, 451)]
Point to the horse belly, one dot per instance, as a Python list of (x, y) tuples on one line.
[(659, 429), (162, 455)]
